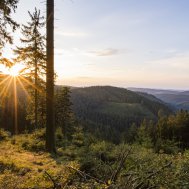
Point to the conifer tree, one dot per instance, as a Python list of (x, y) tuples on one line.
[(63, 111), (33, 55), (6, 8)]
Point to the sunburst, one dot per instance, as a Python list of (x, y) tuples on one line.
[(13, 71), (12, 77)]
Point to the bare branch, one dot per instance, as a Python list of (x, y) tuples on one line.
[(85, 175), (124, 156)]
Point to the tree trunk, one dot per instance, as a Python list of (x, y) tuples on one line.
[(36, 85), (50, 126), (15, 107)]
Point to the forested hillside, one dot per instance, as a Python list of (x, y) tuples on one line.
[(106, 105), (113, 109)]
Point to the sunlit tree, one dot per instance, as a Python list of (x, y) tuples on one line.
[(33, 55)]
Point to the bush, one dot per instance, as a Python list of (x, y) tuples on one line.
[(166, 146), (34, 142), (4, 134)]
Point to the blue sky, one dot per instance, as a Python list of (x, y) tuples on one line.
[(126, 43)]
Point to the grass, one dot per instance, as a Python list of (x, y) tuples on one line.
[(23, 167)]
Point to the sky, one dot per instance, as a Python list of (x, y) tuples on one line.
[(124, 43)]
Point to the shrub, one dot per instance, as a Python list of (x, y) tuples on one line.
[(4, 134), (166, 146)]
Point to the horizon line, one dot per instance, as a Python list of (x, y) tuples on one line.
[(85, 86)]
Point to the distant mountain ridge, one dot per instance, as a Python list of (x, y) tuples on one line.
[(178, 99), (115, 107)]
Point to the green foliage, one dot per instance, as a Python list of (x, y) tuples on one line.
[(63, 112), (131, 133), (34, 142), (78, 136), (108, 112), (94, 164), (143, 137), (4, 134), (175, 127), (166, 146)]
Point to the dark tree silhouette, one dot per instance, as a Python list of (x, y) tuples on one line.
[(6, 8), (50, 121)]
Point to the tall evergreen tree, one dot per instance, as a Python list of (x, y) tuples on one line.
[(50, 122), (6, 8), (63, 112), (34, 56)]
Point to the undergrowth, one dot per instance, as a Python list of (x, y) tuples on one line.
[(86, 162)]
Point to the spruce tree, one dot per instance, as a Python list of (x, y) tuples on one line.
[(33, 55), (63, 113), (6, 8)]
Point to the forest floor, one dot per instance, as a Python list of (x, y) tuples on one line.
[(20, 168), (87, 164)]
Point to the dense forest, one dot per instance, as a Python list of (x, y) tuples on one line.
[(54, 137)]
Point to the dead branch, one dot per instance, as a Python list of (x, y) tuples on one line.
[(85, 175), (124, 156), (55, 185), (153, 174)]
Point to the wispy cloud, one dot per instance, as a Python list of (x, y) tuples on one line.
[(61, 52), (105, 52), (70, 34)]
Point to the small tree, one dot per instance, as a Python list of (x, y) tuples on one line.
[(63, 111), (143, 135)]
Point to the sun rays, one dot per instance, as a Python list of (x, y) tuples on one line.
[(13, 71), (14, 80)]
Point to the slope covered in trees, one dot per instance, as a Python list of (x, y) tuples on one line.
[(114, 106)]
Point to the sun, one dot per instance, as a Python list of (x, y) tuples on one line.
[(14, 71)]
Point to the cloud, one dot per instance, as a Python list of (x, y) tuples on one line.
[(62, 52), (71, 34), (87, 52), (105, 52)]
